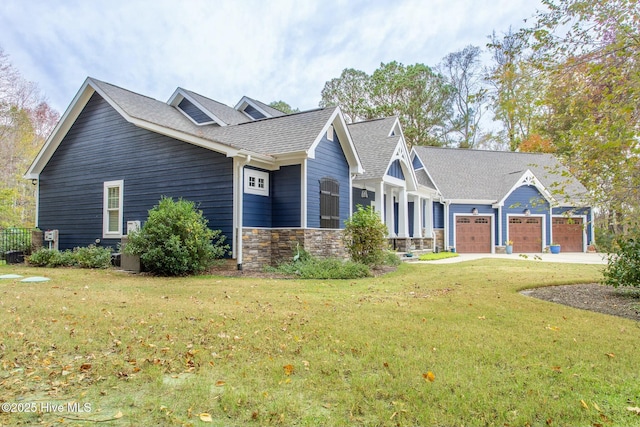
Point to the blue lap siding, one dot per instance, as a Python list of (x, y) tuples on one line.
[(527, 197), (282, 207), (102, 146), (329, 162)]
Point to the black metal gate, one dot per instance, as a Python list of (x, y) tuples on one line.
[(15, 243)]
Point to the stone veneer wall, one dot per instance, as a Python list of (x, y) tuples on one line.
[(439, 233), (269, 246)]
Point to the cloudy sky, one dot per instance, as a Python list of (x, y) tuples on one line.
[(224, 49)]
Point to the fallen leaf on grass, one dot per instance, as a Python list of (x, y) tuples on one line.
[(634, 409), (206, 417), (584, 404), (118, 415), (288, 369), (429, 376), (610, 355), (220, 383)]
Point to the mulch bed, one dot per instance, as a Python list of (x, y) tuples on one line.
[(622, 302)]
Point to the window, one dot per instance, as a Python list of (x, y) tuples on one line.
[(329, 203), (112, 209), (256, 182)]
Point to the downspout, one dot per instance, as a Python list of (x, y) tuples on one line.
[(447, 226), (239, 184)]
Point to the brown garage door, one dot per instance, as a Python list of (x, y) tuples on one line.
[(473, 234), (568, 233), (526, 233)]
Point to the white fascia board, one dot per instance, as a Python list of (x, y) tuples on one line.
[(176, 99), (402, 153), (348, 147), (60, 130), (472, 202), (528, 178), (240, 106), (394, 181), (413, 150)]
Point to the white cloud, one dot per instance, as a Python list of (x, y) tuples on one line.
[(281, 49)]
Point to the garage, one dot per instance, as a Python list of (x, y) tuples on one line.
[(526, 233), (568, 233), (473, 234)]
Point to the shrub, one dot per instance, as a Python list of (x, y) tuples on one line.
[(87, 257), (623, 266), (92, 257), (364, 237), (308, 267), (175, 240), (45, 258)]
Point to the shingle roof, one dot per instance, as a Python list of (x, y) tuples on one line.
[(269, 109), (229, 115), (272, 136), (489, 175), (375, 146), (277, 135)]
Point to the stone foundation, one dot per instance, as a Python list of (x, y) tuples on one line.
[(439, 235), (269, 246), (408, 244)]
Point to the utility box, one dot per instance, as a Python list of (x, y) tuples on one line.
[(133, 226), (51, 237), (129, 263)]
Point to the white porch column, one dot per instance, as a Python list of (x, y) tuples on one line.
[(417, 217), (389, 220), (378, 204), (403, 218)]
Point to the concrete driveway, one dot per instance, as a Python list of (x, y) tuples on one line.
[(568, 257)]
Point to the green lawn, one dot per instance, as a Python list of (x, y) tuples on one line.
[(245, 351)]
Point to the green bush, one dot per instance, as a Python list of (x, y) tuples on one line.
[(365, 237), (45, 258), (92, 257), (623, 266), (175, 240), (323, 268), (87, 257)]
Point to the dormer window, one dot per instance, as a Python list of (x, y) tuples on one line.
[(194, 113)]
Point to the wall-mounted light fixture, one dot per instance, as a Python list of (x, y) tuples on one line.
[(34, 181), (527, 212), (364, 194), (474, 211)]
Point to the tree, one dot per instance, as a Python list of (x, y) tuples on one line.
[(515, 87), (420, 97), (284, 107), (351, 92), (25, 121), (588, 51), (463, 73)]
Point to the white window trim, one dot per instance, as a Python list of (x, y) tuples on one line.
[(105, 211), (330, 133), (257, 176)]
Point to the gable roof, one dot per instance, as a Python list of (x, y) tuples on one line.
[(375, 146), (490, 176), (268, 110), (265, 140), (228, 115)]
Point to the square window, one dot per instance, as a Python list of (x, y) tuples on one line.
[(256, 182)]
